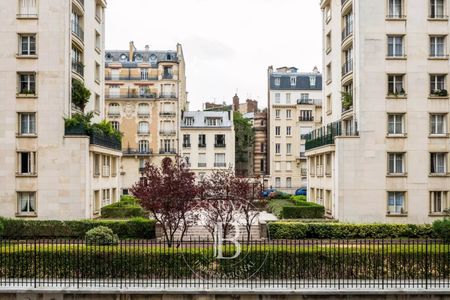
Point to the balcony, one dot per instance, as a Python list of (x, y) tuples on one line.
[(167, 132), (143, 132), (347, 67), (130, 95), (137, 152), (317, 102), (78, 68), (131, 78), (348, 31), (143, 114), (81, 2), (168, 96), (219, 145), (220, 165), (167, 151), (78, 31), (305, 118), (185, 145), (167, 76), (167, 114), (325, 135), (95, 138), (344, 2), (202, 145)]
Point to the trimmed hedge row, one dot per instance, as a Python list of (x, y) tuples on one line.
[(282, 262), (127, 207), (303, 210), (293, 230), (138, 228)]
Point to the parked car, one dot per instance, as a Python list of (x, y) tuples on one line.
[(267, 192), (300, 192)]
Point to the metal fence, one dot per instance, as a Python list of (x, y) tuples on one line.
[(260, 265)]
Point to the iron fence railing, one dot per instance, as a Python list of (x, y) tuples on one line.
[(326, 134), (371, 264), (95, 138)]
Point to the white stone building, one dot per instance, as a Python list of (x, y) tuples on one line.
[(294, 109), (382, 155), (207, 141), (47, 172)]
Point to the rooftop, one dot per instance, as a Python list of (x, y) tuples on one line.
[(199, 119)]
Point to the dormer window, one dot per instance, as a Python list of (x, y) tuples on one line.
[(277, 81), (169, 56), (293, 81), (189, 121), (138, 58), (213, 121), (123, 58), (312, 80), (108, 57)]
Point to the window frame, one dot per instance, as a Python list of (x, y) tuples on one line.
[(30, 52), (395, 53), (29, 132), (34, 210), (403, 125), (403, 208), (395, 171)]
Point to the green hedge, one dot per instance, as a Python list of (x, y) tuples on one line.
[(269, 262), (138, 228), (293, 230), (275, 206), (442, 228), (303, 212), (127, 207), (1, 228), (298, 198)]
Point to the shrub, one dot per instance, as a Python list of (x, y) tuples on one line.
[(298, 198), (134, 228), (442, 228), (2, 227), (298, 230), (127, 207), (306, 210), (279, 195), (101, 235), (276, 206)]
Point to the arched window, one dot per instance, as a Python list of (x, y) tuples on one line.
[(143, 109), (114, 109), (108, 57), (115, 125), (123, 58), (143, 128), (138, 57), (143, 146)]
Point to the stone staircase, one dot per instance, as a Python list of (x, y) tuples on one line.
[(199, 232)]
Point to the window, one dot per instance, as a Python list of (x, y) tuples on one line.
[(141, 163), (97, 72), (288, 130), (438, 163), (202, 160), (28, 8), (263, 147), (27, 83), (395, 46), (306, 115), (115, 125), (168, 146), (143, 109), (143, 146), (26, 163), (288, 166), (277, 130), (97, 165), (277, 113), (437, 85), (437, 46), (214, 121), (97, 202), (27, 44), (220, 140), (277, 182), (437, 9), (293, 81), (99, 13), (114, 109), (114, 167), (277, 97), (26, 203), (277, 166), (106, 168), (329, 105), (328, 73), (27, 123), (395, 85), (202, 140), (143, 128), (327, 13), (396, 163), (144, 74), (396, 124), (288, 98), (396, 203), (288, 149), (106, 197), (438, 124), (189, 121), (277, 148), (277, 81), (262, 166), (98, 41), (288, 114), (187, 159), (288, 182), (219, 160), (395, 9), (186, 140), (97, 103), (438, 202)]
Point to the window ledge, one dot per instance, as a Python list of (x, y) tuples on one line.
[(27, 17), (439, 136), (28, 136), (391, 96), (26, 215), (329, 112), (328, 175), (24, 56), (444, 19), (328, 50), (437, 215), (397, 136), (99, 20), (396, 57), (32, 96), (98, 50), (402, 18), (26, 175), (328, 81), (431, 97), (445, 57), (97, 81), (400, 175), (96, 175), (439, 175), (396, 215), (328, 20)]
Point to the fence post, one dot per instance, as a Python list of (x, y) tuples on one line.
[(382, 264), (34, 263), (426, 263), (78, 264)]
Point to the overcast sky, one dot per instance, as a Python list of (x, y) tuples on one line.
[(228, 44)]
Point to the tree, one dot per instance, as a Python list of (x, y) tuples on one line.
[(80, 94), (245, 138), (169, 194)]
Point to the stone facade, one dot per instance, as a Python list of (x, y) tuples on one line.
[(145, 98), (46, 174), (386, 109), (294, 109)]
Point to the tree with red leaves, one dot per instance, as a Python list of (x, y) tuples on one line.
[(169, 194)]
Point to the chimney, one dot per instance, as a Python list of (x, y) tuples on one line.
[(236, 103), (315, 70), (147, 48), (132, 49)]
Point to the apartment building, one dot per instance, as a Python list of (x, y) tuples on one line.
[(294, 109), (48, 171), (207, 141), (259, 123), (382, 153), (145, 97)]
